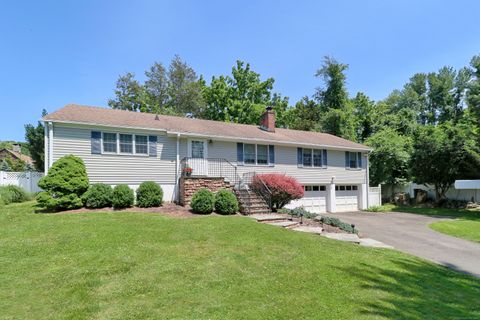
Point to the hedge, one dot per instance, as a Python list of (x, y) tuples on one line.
[(203, 201), (149, 194), (98, 195), (122, 196), (226, 202)]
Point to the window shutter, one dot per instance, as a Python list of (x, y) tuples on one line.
[(359, 159), (96, 142), (271, 155), (152, 146), (347, 156), (239, 153), (324, 158), (300, 157)]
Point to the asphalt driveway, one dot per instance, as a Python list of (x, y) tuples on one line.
[(410, 233)]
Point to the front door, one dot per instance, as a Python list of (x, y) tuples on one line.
[(197, 151)]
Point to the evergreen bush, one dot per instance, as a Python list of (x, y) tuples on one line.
[(149, 194)]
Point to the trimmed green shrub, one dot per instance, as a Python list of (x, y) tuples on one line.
[(2, 203), (149, 194), (299, 211), (203, 201), (11, 194), (64, 185), (339, 224), (98, 195), (122, 197), (226, 202)]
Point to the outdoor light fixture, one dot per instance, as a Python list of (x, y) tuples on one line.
[(353, 227), (301, 217)]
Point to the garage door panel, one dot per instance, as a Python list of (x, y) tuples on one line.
[(346, 200), (313, 201)]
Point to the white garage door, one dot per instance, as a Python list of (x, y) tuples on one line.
[(314, 200), (346, 198)]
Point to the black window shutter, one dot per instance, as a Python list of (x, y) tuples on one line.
[(152, 146), (359, 155), (347, 160), (271, 155), (239, 153), (300, 157), (96, 142), (324, 158)]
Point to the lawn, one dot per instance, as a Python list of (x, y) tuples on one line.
[(465, 226), (148, 266)]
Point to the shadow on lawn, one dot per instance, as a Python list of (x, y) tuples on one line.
[(418, 290), (440, 212)]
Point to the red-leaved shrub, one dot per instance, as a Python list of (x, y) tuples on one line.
[(283, 188)]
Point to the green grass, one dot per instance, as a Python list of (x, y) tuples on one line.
[(468, 229), (465, 226), (122, 265), (387, 207)]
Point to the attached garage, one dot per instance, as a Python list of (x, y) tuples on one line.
[(346, 198), (314, 200)]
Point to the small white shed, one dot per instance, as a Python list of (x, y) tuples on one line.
[(473, 185)]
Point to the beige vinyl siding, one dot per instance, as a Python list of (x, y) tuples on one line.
[(112, 168), (286, 162)]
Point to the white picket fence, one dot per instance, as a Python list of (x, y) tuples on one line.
[(27, 180)]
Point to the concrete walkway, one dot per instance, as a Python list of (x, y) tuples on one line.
[(410, 233)]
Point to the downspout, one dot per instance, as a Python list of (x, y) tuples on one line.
[(177, 169), (50, 144), (46, 162), (367, 181)]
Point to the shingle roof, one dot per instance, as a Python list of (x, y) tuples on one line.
[(120, 118), (21, 156)]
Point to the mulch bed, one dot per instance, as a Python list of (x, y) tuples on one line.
[(168, 209)]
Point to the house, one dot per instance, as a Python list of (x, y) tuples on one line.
[(127, 147), (15, 155)]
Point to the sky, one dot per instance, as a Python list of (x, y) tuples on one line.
[(57, 52)]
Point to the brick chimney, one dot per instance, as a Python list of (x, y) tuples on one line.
[(267, 121)]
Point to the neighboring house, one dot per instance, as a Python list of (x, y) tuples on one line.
[(128, 147), (15, 155)]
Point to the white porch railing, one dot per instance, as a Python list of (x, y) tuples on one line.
[(27, 180)]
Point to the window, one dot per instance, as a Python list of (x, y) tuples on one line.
[(307, 188), (262, 154), (197, 149), (307, 157), (315, 188), (348, 188), (255, 154), (126, 143), (109, 142), (354, 187), (249, 153), (141, 144), (312, 157), (342, 188), (317, 158), (323, 188), (352, 161)]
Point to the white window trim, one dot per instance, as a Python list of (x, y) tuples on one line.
[(117, 137), (205, 147), (313, 166), (357, 168), (256, 164)]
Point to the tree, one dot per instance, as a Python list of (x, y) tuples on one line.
[(366, 115), (304, 116), (184, 88), (35, 137), (390, 158), (334, 95), (337, 113), (130, 95), (473, 93), (240, 98), (443, 154), (177, 91), (5, 166)]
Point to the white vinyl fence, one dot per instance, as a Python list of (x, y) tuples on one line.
[(452, 193), (27, 180), (375, 196)]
